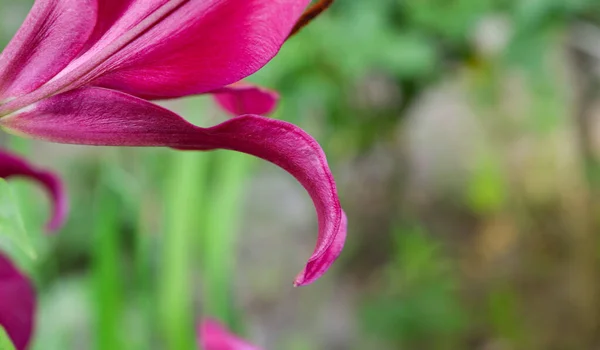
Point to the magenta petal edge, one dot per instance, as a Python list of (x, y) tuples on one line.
[(98, 116), (17, 304), (212, 335), (13, 166)]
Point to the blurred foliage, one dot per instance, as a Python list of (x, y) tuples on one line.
[(13, 237), (419, 306), (359, 68)]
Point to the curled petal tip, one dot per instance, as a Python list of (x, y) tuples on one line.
[(60, 203), (322, 260), (11, 166), (97, 116)]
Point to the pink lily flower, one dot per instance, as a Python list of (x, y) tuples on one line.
[(83, 72), (17, 294), (213, 336)]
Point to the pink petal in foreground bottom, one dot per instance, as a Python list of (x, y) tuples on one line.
[(97, 116), (12, 166), (213, 336), (243, 98), (17, 304)]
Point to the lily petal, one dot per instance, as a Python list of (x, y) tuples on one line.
[(11, 165), (52, 35), (97, 116), (243, 98), (17, 304), (213, 336), (109, 12), (165, 49)]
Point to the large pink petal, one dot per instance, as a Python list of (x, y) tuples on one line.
[(17, 304), (52, 35), (96, 116), (213, 336), (243, 98), (11, 165), (165, 49), (109, 12)]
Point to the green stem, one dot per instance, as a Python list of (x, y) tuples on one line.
[(107, 267), (184, 200), (143, 256), (221, 228)]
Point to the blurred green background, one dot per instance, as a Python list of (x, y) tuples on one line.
[(465, 139)]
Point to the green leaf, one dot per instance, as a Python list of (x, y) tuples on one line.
[(5, 342), (486, 192), (13, 238)]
